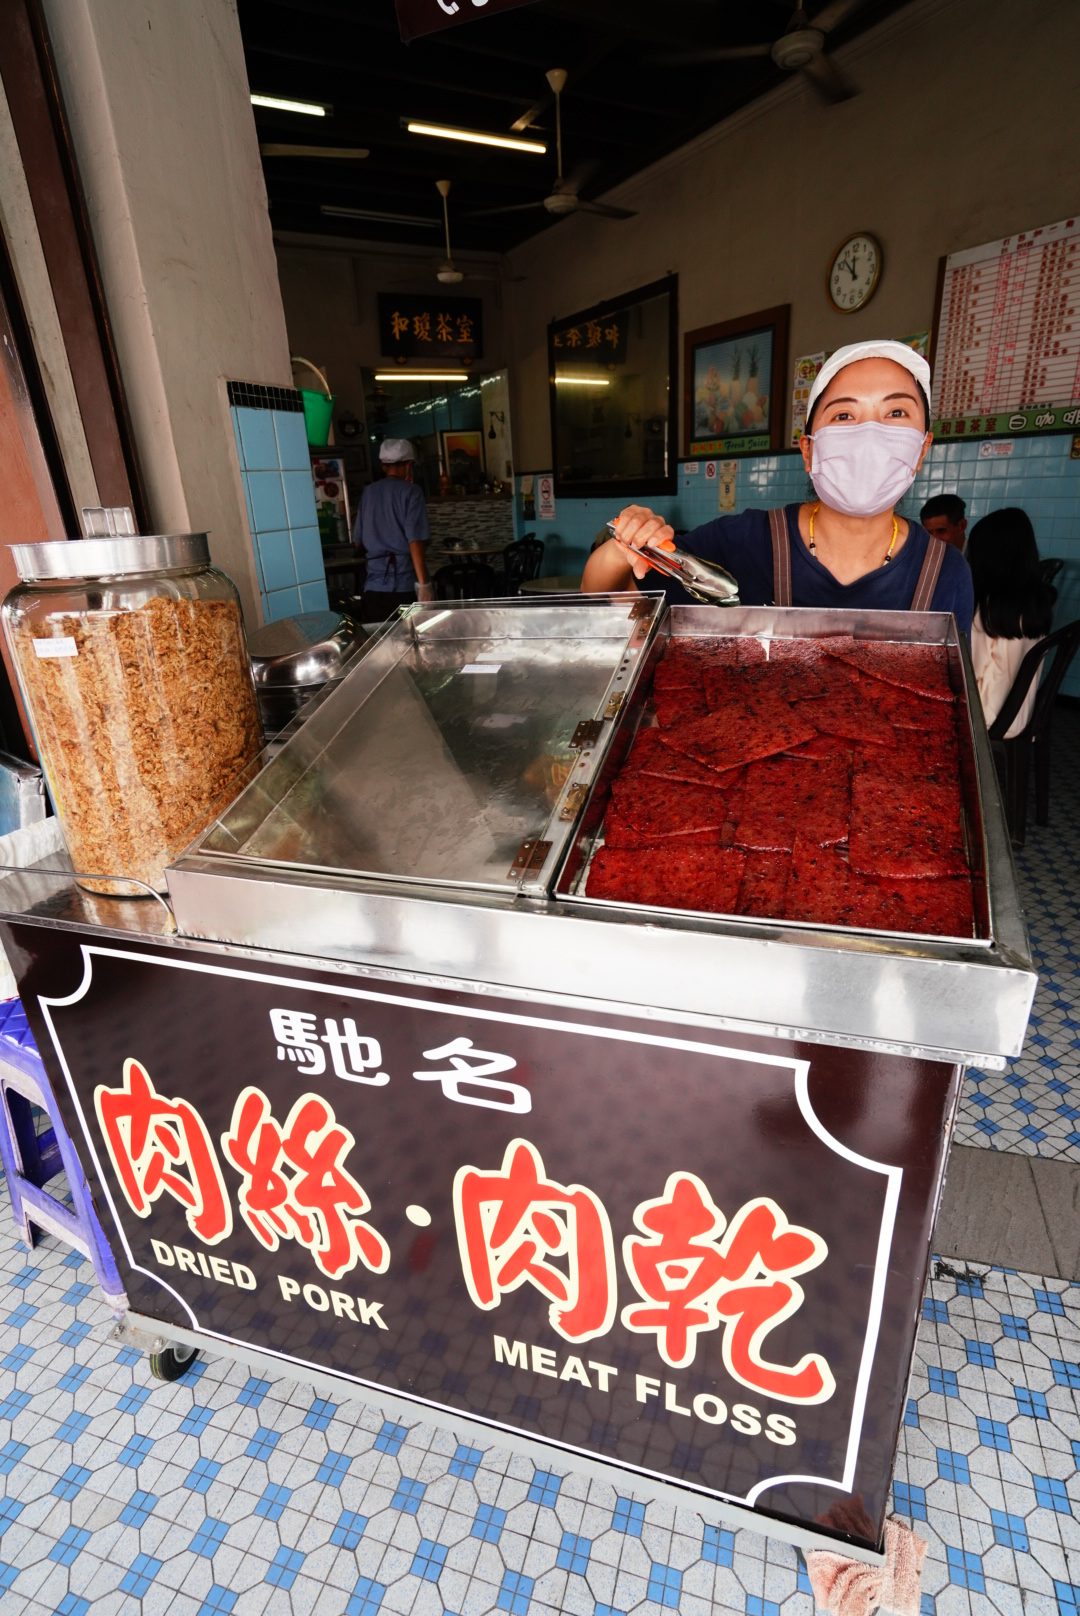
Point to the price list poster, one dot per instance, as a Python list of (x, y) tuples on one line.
[(1007, 350)]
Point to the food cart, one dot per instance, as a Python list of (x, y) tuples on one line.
[(386, 1100)]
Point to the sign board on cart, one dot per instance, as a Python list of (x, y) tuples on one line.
[(693, 1258)]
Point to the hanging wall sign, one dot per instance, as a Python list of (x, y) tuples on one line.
[(434, 329), (591, 342), (1007, 336), (417, 17)]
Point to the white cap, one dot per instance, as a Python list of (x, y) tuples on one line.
[(898, 352), (396, 451)]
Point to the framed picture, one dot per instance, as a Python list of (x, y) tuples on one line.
[(613, 392), (735, 385), (463, 459)]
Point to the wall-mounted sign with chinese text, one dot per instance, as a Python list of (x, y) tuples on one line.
[(1016, 423), (591, 342), (434, 329), (416, 17), (694, 1256), (1007, 335)]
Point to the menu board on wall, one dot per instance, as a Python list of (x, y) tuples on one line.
[(1007, 348)]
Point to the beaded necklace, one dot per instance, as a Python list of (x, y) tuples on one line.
[(812, 547)]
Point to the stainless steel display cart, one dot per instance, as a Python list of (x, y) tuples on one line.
[(400, 1106)]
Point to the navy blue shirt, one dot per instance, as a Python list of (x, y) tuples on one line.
[(743, 545), (391, 513)]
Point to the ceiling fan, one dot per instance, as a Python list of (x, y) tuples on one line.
[(447, 272), (564, 197), (799, 49)]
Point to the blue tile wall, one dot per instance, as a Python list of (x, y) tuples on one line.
[(292, 441), (1039, 475), (276, 562), (276, 469)]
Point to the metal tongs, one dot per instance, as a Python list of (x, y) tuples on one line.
[(706, 580)]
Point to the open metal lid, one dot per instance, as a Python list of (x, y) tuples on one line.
[(110, 557), (307, 649)]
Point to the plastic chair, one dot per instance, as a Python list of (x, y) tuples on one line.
[(31, 1160), (1013, 757), (465, 580), (522, 560)]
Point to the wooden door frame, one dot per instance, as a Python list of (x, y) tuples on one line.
[(37, 113)]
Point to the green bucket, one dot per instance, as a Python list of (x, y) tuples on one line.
[(318, 413)]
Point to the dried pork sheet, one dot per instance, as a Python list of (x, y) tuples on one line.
[(826, 773)]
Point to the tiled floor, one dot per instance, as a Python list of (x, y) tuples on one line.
[(1034, 1107), (227, 1492), (230, 1493)]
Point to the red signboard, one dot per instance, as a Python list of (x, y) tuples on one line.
[(695, 1256), (427, 16)]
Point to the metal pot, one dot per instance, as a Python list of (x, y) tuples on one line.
[(296, 656)]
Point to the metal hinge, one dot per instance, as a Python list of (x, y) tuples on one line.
[(587, 734), (530, 857), (574, 801), (613, 706)]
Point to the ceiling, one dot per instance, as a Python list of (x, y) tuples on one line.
[(623, 107)]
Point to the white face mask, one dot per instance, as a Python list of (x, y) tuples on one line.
[(864, 469)]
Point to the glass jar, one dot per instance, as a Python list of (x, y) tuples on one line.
[(131, 658)]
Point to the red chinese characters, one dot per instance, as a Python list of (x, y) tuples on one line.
[(295, 1185), (161, 1146), (516, 1226), (695, 1271)]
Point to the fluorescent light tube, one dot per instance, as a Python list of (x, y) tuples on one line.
[(312, 109), (421, 375), (476, 137), (380, 218), (583, 381)]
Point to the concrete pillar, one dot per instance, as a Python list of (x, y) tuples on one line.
[(156, 94)]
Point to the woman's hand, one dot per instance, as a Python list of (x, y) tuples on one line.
[(610, 566), (637, 525)]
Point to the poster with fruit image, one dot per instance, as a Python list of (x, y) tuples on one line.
[(733, 385)]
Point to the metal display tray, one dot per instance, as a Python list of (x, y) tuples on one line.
[(696, 622), (947, 999)]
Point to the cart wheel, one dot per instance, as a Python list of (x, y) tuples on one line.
[(173, 1362)]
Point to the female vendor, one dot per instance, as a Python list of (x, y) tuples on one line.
[(867, 433)]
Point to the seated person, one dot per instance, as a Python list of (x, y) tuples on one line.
[(943, 516), (1014, 607)]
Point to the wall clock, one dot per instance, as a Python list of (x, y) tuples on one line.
[(854, 272)]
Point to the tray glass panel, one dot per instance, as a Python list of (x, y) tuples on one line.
[(448, 744)]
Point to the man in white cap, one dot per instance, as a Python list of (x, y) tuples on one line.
[(867, 433), (392, 530)]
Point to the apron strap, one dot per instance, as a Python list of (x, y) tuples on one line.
[(928, 577), (781, 557)]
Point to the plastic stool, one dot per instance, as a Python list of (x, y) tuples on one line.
[(31, 1159)]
